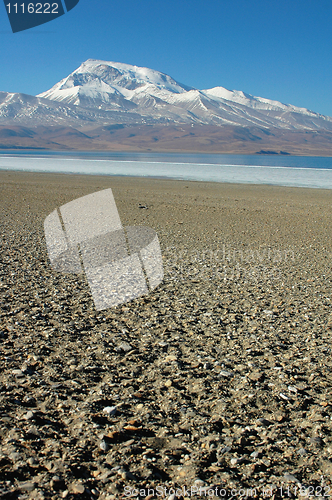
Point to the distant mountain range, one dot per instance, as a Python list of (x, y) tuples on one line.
[(107, 105)]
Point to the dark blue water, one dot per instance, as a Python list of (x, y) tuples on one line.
[(202, 158)]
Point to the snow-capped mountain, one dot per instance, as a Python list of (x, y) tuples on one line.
[(151, 95), (107, 81), (101, 93)]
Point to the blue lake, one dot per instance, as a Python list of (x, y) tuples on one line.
[(283, 170)]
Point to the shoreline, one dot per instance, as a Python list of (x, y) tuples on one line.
[(116, 177), (166, 151), (173, 179)]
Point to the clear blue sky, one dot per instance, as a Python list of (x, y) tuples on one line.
[(279, 49)]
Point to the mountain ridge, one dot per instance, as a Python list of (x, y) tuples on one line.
[(115, 106), (112, 86)]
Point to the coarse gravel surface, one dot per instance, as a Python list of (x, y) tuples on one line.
[(219, 380)]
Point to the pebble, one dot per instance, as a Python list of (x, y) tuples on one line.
[(283, 396), (29, 415), (103, 446), (77, 488), (125, 475), (226, 374), (290, 478), (199, 482), (116, 468), (316, 440), (237, 460), (264, 421), (170, 358), (125, 347), (27, 486), (110, 410), (225, 449), (302, 451)]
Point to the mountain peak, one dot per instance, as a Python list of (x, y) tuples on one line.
[(148, 94), (120, 74)]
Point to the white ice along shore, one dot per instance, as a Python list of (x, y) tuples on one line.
[(243, 174)]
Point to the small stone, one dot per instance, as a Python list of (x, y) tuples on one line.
[(280, 417), (163, 344), (264, 422), (168, 383), (110, 410), (28, 486), (237, 460), (134, 422), (199, 482), (32, 461), (77, 488), (132, 428), (302, 451), (103, 446), (29, 415), (290, 478), (256, 376), (170, 358), (316, 440), (116, 468), (225, 373), (283, 396), (224, 450), (128, 443), (125, 347), (125, 475), (255, 454)]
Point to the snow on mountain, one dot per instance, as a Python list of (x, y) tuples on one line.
[(109, 84), (25, 109), (252, 101), (108, 92)]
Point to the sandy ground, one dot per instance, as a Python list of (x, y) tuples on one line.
[(220, 378)]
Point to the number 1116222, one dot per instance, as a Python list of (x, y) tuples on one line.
[(33, 8)]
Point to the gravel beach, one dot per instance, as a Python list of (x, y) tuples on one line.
[(217, 384)]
